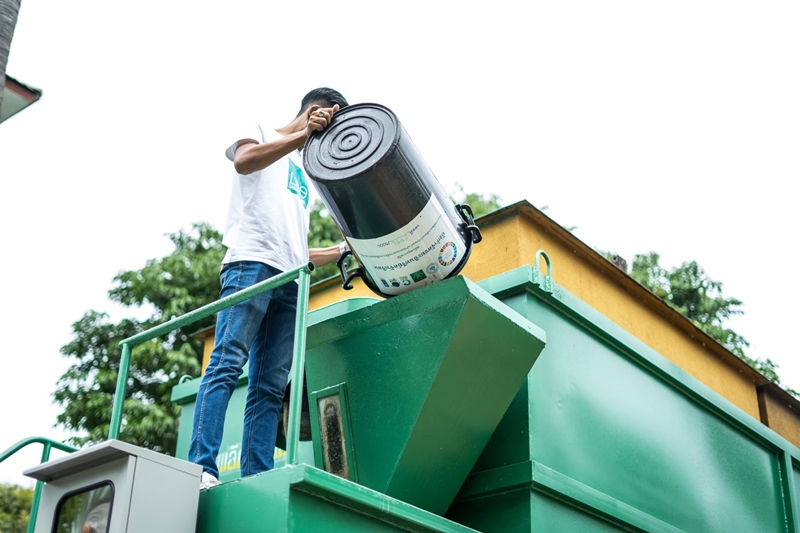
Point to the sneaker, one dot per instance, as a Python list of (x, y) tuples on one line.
[(207, 481)]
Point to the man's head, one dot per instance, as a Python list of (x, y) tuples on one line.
[(324, 97)]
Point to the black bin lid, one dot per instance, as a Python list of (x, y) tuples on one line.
[(358, 137)]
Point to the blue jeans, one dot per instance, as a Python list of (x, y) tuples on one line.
[(261, 329)]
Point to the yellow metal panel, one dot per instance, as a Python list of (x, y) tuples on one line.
[(783, 420), (208, 344), (333, 292), (500, 250)]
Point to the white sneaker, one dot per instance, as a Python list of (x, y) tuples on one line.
[(207, 481)]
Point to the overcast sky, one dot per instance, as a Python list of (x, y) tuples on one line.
[(669, 126)]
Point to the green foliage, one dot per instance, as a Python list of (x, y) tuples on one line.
[(171, 286), (322, 232), (481, 204), (15, 507), (691, 292)]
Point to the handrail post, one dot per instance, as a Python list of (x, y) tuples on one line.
[(298, 370), (37, 494), (119, 397)]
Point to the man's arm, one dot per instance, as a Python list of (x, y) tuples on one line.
[(323, 256), (251, 156)]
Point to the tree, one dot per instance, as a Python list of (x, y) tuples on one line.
[(481, 204), (691, 292), (9, 10), (322, 232), (15, 508), (176, 284)]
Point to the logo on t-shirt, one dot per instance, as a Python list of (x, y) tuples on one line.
[(297, 183)]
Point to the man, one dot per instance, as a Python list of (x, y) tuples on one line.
[(266, 234)]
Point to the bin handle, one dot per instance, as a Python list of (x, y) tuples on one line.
[(348, 277), (545, 282), (465, 212)]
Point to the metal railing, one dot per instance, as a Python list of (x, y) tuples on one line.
[(295, 400), (48, 446), (127, 345)]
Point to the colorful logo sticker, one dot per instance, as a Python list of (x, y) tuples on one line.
[(297, 183), (384, 283), (405, 280), (418, 276), (448, 254)]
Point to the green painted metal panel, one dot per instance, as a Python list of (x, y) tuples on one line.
[(538, 477), (244, 506), (309, 514), (599, 419), (368, 502), (796, 495), (509, 512), (796, 476), (615, 428), (429, 375), (230, 451), (526, 511), (549, 515), (510, 443), (303, 499)]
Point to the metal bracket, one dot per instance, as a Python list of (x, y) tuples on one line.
[(539, 278)]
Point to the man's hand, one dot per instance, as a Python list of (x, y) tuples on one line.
[(319, 117)]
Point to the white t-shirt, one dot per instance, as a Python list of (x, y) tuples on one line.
[(268, 214)]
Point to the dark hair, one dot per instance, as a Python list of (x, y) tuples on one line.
[(324, 96)]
